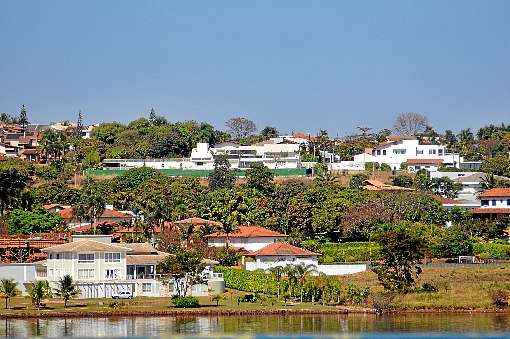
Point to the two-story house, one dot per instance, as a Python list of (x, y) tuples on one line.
[(101, 268), (494, 202), (250, 238)]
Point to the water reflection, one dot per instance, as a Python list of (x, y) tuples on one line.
[(269, 325)]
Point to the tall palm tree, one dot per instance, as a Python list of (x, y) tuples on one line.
[(277, 273), (302, 271), (67, 289), (38, 291), (290, 272), (8, 290)]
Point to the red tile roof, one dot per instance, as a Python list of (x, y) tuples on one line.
[(496, 193), (424, 161), (491, 210), (67, 213), (283, 249), (247, 232)]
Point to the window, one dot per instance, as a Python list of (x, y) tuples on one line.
[(432, 151), (51, 256), (508, 202), (384, 152), (112, 273), (419, 151), (485, 202), (493, 203), (112, 257), (399, 151), (85, 257), (440, 151), (378, 152), (87, 273), (146, 287)]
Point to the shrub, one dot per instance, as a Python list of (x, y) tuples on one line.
[(356, 294), (383, 302), (500, 298), (385, 167), (344, 252), (185, 302), (228, 257), (115, 304), (248, 281), (428, 287), (492, 250)]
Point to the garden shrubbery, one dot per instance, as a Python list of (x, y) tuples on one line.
[(492, 250), (249, 281), (343, 252), (185, 302)]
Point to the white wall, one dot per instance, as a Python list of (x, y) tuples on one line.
[(336, 269), (21, 273)]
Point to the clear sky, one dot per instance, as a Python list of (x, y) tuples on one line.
[(296, 65)]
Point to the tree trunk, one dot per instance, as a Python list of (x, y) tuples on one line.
[(6, 302)]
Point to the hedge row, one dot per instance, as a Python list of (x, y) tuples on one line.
[(344, 252), (249, 281), (492, 250)]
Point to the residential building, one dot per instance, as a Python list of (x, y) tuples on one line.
[(284, 254), (101, 268), (494, 203), (249, 238), (109, 215), (275, 153)]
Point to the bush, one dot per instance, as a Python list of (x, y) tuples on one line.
[(385, 167), (185, 302), (500, 298), (492, 251), (383, 302), (228, 257), (248, 281), (115, 304), (357, 295), (428, 287)]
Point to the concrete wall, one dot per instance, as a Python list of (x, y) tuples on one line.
[(250, 244), (336, 269)]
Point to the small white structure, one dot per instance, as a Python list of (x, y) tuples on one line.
[(250, 238), (100, 268), (284, 254)]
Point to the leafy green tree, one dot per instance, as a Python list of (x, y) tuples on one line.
[(302, 272), (66, 289), (277, 272), (8, 289), (36, 221), (38, 291), (410, 124), (499, 165), (54, 144), (92, 159), (445, 187), (185, 267), (12, 183), (454, 243), (260, 177), (222, 176), (401, 251)]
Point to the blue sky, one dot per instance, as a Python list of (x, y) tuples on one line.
[(296, 65)]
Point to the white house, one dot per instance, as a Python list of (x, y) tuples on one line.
[(250, 238), (494, 202), (101, 268), (274, 153), (284, 254), (280, 254), (408, 152)]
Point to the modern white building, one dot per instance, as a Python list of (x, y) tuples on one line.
[(101, 268), (250, 238), (275, 153)]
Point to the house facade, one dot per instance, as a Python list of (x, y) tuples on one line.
[(249, 238), (276, 153), (280, 254), (101, 268), (494, 203)]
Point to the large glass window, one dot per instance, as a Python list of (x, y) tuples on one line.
[(87, 273), (112, 273), (112, 257), (147, 287), (85, 257), (399, 151)]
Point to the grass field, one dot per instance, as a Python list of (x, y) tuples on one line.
[(459, 289)]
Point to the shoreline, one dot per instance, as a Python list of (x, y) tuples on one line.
[(231, 312)]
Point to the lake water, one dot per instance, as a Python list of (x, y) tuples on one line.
[(342, 326)]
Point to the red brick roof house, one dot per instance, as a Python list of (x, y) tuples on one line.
[(251, 238), (280, 254), (494, 203)]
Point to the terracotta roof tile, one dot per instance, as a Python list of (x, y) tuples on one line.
[(247, 232), (86, 246), (496, 193), (283, 249), (491, 210)]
